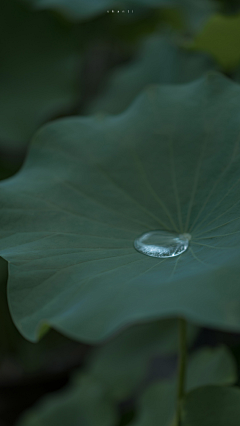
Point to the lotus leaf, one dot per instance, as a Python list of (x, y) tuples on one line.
[(91, 186)]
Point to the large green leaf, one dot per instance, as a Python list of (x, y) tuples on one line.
[(220, 37), (131, 352), (91, 186), (39, 71), (212, 406), (85, 403), (158, 61), (206, 367)]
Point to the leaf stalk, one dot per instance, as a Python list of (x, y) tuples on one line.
[(182, 364)]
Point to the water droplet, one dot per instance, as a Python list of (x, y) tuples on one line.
[(162, 243)]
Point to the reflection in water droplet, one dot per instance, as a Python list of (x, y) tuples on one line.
[(162, 243)]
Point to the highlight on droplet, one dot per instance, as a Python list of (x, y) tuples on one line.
[(162, 244)]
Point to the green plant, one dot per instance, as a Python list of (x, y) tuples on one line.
[(166, 159)]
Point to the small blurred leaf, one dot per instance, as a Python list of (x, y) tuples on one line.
[(197, 12), (158, 62), (131, 352), (220, 37), (207, 366), (211, 366), (82, 404), (157, 405), (212, 406)]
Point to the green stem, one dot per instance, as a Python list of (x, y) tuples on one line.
[(181, 367)]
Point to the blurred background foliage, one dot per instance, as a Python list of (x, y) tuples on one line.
[(78, 57)]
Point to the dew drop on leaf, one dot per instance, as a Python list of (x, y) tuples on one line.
[(162, 243)]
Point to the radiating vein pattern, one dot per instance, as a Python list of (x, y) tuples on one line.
[(91, 188)]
